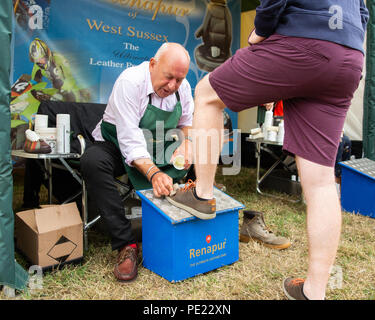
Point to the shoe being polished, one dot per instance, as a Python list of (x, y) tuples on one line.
[(126, 268), (186, 198), (34, 144), (254, 227)]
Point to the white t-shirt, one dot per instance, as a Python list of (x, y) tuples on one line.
[(127, 105)]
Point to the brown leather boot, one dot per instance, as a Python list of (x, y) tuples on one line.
[(126, 268), (255, 228)]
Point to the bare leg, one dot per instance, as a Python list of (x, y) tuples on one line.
[(208, 125), (323, 224)]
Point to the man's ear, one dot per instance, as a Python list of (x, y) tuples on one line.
[(152, 62)]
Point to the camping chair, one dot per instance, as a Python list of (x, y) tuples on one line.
[(83, 119)]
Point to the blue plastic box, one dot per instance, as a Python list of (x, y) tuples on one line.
[(358, 186), (177, 245)]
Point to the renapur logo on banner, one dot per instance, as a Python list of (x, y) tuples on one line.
[(155, 7), (210, 251)]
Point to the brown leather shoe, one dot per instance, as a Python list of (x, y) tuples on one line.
[(126, 268)]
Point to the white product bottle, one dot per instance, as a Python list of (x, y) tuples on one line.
[(268, 122), (280, 134), (63, 133), (272, 133)]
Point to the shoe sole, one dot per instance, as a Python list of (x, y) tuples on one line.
[(38, 151), (125, 281), (200, 215), (247, 239)]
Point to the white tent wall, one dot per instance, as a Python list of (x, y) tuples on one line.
[(354, 120), (353, 123)]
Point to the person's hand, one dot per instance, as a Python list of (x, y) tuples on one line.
[(254, 38), (186, 150), (162, 184), (269, 106)]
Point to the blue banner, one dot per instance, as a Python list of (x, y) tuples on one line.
[(73, 50)]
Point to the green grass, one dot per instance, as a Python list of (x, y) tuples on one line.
[(257, 275)]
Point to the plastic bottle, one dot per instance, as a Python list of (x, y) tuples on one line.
[(280, 134), (268, 122)]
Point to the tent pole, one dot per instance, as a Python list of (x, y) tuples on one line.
[(369, 95)]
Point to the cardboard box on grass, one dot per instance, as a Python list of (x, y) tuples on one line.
[(177, 245), (50, 236), (358, 186)]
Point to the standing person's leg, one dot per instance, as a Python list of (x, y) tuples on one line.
[(323, 224), (208, 125), (197, 198), (314, 126)]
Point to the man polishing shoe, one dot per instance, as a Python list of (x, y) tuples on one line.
[(34, 144)]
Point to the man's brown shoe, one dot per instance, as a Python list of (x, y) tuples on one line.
[(254, 227), (126, 268), (185, 198)]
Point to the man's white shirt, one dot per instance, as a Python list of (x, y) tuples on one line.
[(128, 103)]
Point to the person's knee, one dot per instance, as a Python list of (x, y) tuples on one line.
[(206, 95), (86, 163), (314, 175), (90, 162)]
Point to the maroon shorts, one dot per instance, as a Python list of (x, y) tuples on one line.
[(315, 79)]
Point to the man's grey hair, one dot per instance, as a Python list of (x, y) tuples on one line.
[(164, 48)]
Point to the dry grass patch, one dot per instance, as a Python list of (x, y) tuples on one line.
[(257, 275)]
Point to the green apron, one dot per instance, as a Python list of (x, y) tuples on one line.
[(149, 121)]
